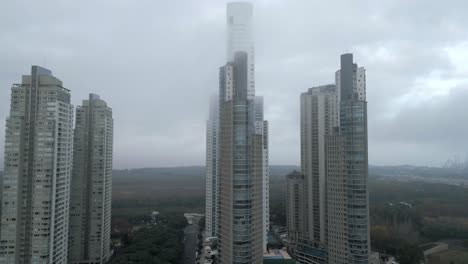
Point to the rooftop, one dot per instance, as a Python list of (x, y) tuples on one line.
[(276, 254)]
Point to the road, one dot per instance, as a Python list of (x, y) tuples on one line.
[(191, 239)]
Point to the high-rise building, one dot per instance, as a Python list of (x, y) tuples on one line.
[(303, 250), (318, 117), (260, 122), (240, 137), (240, 38), (211, 169), (91, 184), (212, 156), (347, 170), (38, 164), (295, 206), (241, 168), (334, 163)]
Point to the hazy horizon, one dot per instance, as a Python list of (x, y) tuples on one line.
[(156, 64), (276, 165)]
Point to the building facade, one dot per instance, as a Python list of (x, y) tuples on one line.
[(295, 206), (241, 168), (239, 17), (318, 117), (38, 164), (262, 126), (334, 161), (239, 140), (91, 190), (347, 171), (211, 169)]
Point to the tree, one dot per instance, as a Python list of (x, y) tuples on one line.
[(410, 254), (159, 244), (201, 224)]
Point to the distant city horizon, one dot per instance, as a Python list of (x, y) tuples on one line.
[(298, 165), (245, 132)]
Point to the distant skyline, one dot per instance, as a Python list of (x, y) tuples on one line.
[(156, 63)]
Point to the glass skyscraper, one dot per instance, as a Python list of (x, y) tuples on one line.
[(334, 163), (237, 150), (240, 168), (347, 171)]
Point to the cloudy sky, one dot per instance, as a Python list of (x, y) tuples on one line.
[(156, 63)]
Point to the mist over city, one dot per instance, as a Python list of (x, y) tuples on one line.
[(245, 132), (160, 59)]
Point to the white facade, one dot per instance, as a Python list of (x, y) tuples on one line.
[(38, 163), (229, 83), (318, 112), (240, 37), (261, 128), (361, 83), (211, 203), (266, 187), (91, 193), (359, 87)]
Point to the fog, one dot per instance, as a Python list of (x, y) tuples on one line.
[(156, 63)]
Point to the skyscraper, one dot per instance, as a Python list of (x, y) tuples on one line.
[(347, 170), (334, 163), (241, 139), (318, 117), (240, 38), (241, 168), (212, 156), (38, 163), (91, 189), (261, 123), (295, 205)]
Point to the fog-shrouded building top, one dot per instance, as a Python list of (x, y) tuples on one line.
[(38, 163), (242, 171), (240, 37), (211, 170)]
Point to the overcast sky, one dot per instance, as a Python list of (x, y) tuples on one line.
[(156, 63)]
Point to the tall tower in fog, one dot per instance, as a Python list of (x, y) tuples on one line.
[(91, 189), (38, 163), (240, 38), (261, 123), (242, 148), (347, 170), (211, 168)]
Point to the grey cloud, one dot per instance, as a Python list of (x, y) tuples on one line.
[(156, 63), (441, 121)]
